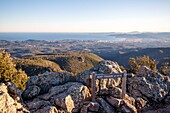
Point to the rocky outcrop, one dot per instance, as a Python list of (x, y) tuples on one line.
[(106, 108), (73, 96), (31, 92), (61, 93), (7, 103), (104, 67), (41, 84), (151, 87), (116, 102), (93, 106), (90, 107), (48, 109), (69, 96), (14, 92), (165, 109)]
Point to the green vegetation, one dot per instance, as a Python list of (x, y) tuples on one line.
[(136, 63), (122, 68), (8, 72), (164, 68), (74, 62), (11, 68), (36, 65)]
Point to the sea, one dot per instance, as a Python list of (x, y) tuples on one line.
[(56, 36)]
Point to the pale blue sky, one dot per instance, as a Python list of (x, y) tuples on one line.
[(84, 15)]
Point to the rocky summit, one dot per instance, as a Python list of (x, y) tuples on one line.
[(60, 92)]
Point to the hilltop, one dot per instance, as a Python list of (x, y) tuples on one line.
[(34, 66), (60, 92), (73, 62)]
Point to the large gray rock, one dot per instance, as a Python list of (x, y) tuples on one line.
[(122, 105), (114, 101), (14, 92), (90, 107), (165, 109), (47, 109), (93, 106), (55, 89), (70, 94), (49, 79), (36, 104), (31, 92), (105, 106), (149, 85), (65, 101), (8, 104), (104, 67), (141, 104), (116, 92), (128, 107)]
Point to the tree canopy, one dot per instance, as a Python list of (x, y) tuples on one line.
[(8, 72), (136, 63)]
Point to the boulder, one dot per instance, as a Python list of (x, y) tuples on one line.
[(68, 96), (114, 101), (37, 104), (122, 105), (93, 106), (106, 108), (104, 67), (47, 109), (116, 92), (14, 92), (124, 109), (31, 92), (165, 109), (49, 79), (8, 104), (141, 104), (84, 109), (128, 107), (79, 93), (149, 85), (167, 99), (65, 101), (88, 107), (55, 90)]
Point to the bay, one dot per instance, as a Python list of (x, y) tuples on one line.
[(56, 36)]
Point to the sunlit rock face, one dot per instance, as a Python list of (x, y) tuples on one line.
[(9, 104)]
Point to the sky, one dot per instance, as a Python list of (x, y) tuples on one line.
[(84, 15)]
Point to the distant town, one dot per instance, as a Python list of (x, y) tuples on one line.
[(130, 44)]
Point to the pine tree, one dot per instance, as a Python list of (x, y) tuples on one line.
[(8, 72), (136, 63)]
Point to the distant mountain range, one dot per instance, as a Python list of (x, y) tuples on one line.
[(122, 57)]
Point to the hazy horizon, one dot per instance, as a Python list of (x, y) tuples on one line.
[(86, 32), (85, 16)]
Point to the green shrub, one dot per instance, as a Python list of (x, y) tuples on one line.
[(8, 72), (136, 63), (35, 65), (164, 69)]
